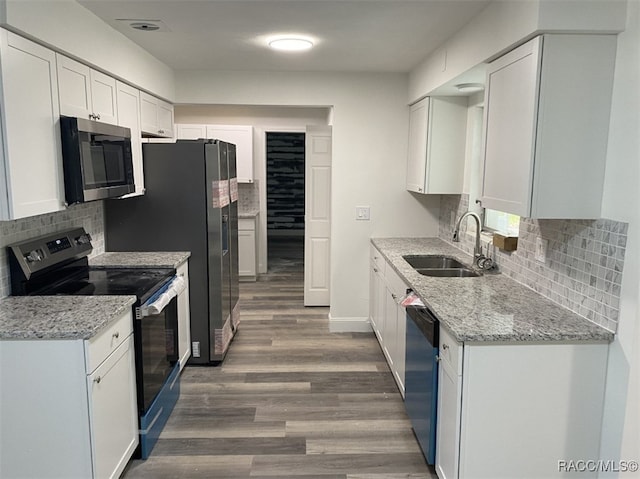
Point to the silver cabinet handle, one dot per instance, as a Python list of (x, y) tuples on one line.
[(445, 346), (98, 379), (375, 269), (97, 117), (116, 334), (438, 358)]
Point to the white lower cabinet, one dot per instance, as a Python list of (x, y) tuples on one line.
[(386, 314), (247, 249), (68, 407), (515, 410), (184, 318)]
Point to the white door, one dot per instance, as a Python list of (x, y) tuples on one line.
[(317, 222)]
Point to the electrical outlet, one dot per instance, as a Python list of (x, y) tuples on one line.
[(363, 213), (453, 218), (195, 349), (541, 249)]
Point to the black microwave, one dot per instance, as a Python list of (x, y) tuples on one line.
[(97, 160)]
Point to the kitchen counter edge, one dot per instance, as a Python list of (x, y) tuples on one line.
[(140, 259), (59, 317)]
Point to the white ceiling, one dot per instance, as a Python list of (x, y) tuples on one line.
[(350, 35)]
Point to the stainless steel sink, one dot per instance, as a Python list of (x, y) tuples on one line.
[(448, 272), (434, 262)]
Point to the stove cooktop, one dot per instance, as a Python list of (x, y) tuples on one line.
[(142, 283)]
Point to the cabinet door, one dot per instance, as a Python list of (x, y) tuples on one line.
[(113, 411), (247, 253), (373, 293), (448, 423), (31, 130), (184, 319), (390, 327), (510, 129), (417, 154), (165, 119), (103, 98), (74, 84), (401, 349), (242, 137), (190, 132), (128, 103), (148, 113)]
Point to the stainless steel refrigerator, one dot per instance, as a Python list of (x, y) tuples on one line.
[(190, 204)]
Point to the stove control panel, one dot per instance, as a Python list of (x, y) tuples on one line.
[(42, 254)]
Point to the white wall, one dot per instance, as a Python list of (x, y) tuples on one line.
[(621, 201), (66, 26), (263, 119), (370, 125), (504, 24)]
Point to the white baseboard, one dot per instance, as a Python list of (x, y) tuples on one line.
[(349, 325)]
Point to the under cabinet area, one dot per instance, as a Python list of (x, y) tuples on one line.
[(31, 180), (547, 106), (437, 137), (76, 415), (387, 315), (247, 269), (513, 410)]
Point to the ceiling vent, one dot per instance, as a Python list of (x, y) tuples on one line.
[(144, 25)]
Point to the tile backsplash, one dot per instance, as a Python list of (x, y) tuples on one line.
[(248, 197), (584, 261), (88, 215)]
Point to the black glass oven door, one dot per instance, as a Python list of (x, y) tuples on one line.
[(156, 343)]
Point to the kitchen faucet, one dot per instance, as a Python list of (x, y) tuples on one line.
[(482, 261)]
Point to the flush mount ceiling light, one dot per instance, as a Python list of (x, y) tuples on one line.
[(469, 87), (291, 44)]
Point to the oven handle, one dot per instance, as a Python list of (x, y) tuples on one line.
[(158, 302)]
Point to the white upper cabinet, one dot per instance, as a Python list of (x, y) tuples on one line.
[(156, 116), (242, 137), (437, 136), (86, 93), (190, 132), (129, 116), (31, 181), (547, 106)]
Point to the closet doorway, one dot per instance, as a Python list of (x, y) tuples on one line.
[(285, 188)]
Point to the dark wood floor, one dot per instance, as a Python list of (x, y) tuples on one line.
[(291, 400)]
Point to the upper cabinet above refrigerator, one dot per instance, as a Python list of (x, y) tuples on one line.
[(239, 135), (547, 106), (437, 135)]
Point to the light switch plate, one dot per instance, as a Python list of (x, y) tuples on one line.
[(363, 213), (541, 249)]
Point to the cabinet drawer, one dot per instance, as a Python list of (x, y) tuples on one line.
[(450, 351), (103, 344), (377, 259)]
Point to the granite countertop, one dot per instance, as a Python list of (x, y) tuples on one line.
[(492, 307), (145, 259), (248, 213), (59, 317)]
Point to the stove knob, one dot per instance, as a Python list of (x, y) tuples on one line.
[(83, 239), (33, 256)]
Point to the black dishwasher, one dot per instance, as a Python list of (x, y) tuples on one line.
[(421, 377)]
